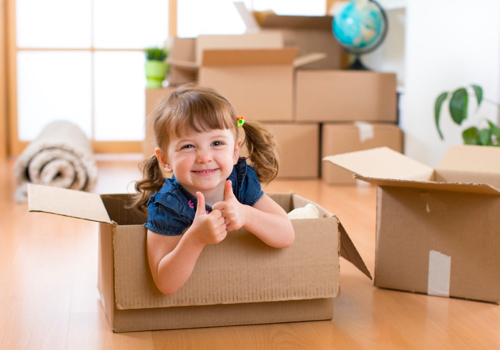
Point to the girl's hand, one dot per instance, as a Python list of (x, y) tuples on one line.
[(232, 210), (209, 228)]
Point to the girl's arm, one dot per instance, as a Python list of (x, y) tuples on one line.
[(172, 258), (265, 219)]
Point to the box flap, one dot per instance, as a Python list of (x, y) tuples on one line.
[(349, 252), (277, 21), (347, 249), (466, 163), (250, 57), (382, 163), (434, 186), (298, 22), (481, 159), (261, 40), (188, 65), (309, 58), (72, 203)]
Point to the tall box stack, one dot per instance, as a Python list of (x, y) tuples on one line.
[(286, 72)]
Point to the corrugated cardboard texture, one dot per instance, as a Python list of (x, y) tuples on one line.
[(465, 227), (257, 272), (344, 138), (345, 96), (256, 92)]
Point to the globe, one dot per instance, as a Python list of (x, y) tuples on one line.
[(360, 27)]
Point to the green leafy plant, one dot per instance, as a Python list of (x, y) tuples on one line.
[(485, 134), (156, 53)]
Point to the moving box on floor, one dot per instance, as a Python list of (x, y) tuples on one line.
[(238, 281), (438, 230)]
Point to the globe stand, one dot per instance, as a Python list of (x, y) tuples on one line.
[(357, 65)]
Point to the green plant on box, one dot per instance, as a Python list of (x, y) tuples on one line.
[(156, 68), (485, 134)]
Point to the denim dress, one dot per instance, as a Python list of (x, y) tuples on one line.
[(172, 209)]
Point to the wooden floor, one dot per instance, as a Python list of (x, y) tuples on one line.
[(49, 299)]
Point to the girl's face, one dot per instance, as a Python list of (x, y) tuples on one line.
[(201, 161)]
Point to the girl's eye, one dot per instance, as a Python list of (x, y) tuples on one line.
[(187, 146), (217, 143)]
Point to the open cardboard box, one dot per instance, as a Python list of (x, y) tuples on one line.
[(308, 33), (438, 230), (238, 281)]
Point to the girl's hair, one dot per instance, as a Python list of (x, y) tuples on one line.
[(194, 108)]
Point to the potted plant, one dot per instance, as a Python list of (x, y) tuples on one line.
[(156, 68), (485, 133)]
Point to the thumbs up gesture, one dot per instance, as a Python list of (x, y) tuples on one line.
[(209, 227), (232, 210)]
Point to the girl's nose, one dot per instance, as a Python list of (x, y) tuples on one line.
[(204, 156)]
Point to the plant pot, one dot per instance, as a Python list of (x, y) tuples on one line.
[(155, 73)]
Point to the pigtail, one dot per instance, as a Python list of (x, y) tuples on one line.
[(261, 148), (151, 183)]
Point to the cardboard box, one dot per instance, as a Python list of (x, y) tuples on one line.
[(298, 149), (238, 281), (345, 96), (187, 53), (349, 137), (308, 33), (258, 83), (437, 229)]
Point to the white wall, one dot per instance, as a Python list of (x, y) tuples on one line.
[(389, 57), (449, 43)]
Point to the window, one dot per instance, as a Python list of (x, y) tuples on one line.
[(83, 61)]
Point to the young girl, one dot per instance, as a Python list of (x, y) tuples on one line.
[(212, 191)]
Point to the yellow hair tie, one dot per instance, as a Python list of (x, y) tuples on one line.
[(241, 121)]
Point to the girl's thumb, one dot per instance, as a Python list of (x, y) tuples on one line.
[(200, 209), (228, 189)]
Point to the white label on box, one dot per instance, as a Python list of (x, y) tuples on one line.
[(439, 274), (365, 131)]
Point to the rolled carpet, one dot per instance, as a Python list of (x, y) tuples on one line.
[(61, 156)]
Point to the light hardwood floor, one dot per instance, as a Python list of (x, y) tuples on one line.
[(49, 299)]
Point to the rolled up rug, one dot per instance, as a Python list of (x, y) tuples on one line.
[(61, 156)]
